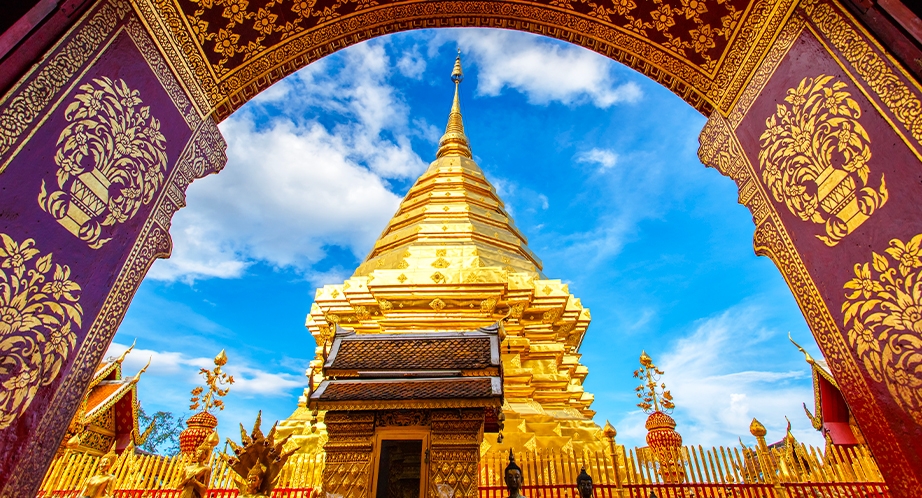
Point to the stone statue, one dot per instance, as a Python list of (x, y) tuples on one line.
[(584, 484), (513, 477), (196, 476), (102, 484)]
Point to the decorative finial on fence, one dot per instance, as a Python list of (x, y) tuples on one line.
[(662, 437), (203, 423), (654, 397)]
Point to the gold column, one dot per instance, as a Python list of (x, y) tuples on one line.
[(454, 452), (348, 470)]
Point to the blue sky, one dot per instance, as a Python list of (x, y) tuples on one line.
[(596, 163)]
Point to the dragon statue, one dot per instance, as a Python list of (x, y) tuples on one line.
[(258, 461)]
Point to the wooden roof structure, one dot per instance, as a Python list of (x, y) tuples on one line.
[(109, 412), (410, 371)]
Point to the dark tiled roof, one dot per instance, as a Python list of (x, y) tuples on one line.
[(415, 354), (408, 389)]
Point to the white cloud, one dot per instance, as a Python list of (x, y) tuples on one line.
[(294, 186), (411, 63), (183, 369), (717, 395), (605, 159), (167, 383), (544, 202), (541, 69)]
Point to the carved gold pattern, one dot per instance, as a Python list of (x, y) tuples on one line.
[(111, 160), (24, 106), (815, 156), (883, 78), (28, 105), (39, 312), (349, 449), (721, 149), (228, 85), (401, 418), (883, 316), (455, 451)]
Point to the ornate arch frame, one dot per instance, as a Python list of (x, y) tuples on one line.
[(846, 240)]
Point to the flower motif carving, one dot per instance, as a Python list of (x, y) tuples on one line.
[(883, 316), (111, 160), (815, 158), (39, 312)]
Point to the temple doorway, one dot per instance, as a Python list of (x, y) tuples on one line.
[(399, 470)]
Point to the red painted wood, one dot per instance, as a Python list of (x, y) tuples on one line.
[(28, 50)]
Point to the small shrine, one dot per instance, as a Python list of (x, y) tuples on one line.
[(406, 413), (108, 416)]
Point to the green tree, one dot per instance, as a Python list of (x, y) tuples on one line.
[(164, 439)]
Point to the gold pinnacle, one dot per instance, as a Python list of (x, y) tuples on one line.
[(609, 430), (757, 429), (645, 360), (221, 359), (454, 141)]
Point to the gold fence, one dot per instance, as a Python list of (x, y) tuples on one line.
[(153, 472), (691, 467), (690, 464)]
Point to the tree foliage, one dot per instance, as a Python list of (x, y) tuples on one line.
[(164, 439)]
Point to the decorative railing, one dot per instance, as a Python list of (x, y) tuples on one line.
[(796, 472), (788, 490), (174, 493), (163, 474)]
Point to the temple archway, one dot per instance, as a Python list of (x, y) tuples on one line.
[(836, 211)]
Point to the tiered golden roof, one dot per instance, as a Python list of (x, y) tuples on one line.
[(451, 258)]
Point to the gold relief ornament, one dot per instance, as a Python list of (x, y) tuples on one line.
[(815, 157), (883, 315), (39, 312), (111, 160)]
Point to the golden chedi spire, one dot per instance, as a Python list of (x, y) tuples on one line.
[(450, 259), (454, 141)]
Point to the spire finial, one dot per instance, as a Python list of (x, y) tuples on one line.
[(454, 141), (457, 75)]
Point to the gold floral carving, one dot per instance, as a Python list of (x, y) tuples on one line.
[(721, 149), (39, 312), (883, 77), (347, 471), (111, 160), (815, 156), (24, 106), (401, 418), (883, 315), (455, 451), (28, 105)]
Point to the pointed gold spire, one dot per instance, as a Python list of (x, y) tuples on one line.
[(454, 141)]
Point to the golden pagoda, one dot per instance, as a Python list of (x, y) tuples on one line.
[(452, 259)]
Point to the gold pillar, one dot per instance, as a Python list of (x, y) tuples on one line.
[(454, 453), (348, 470)]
